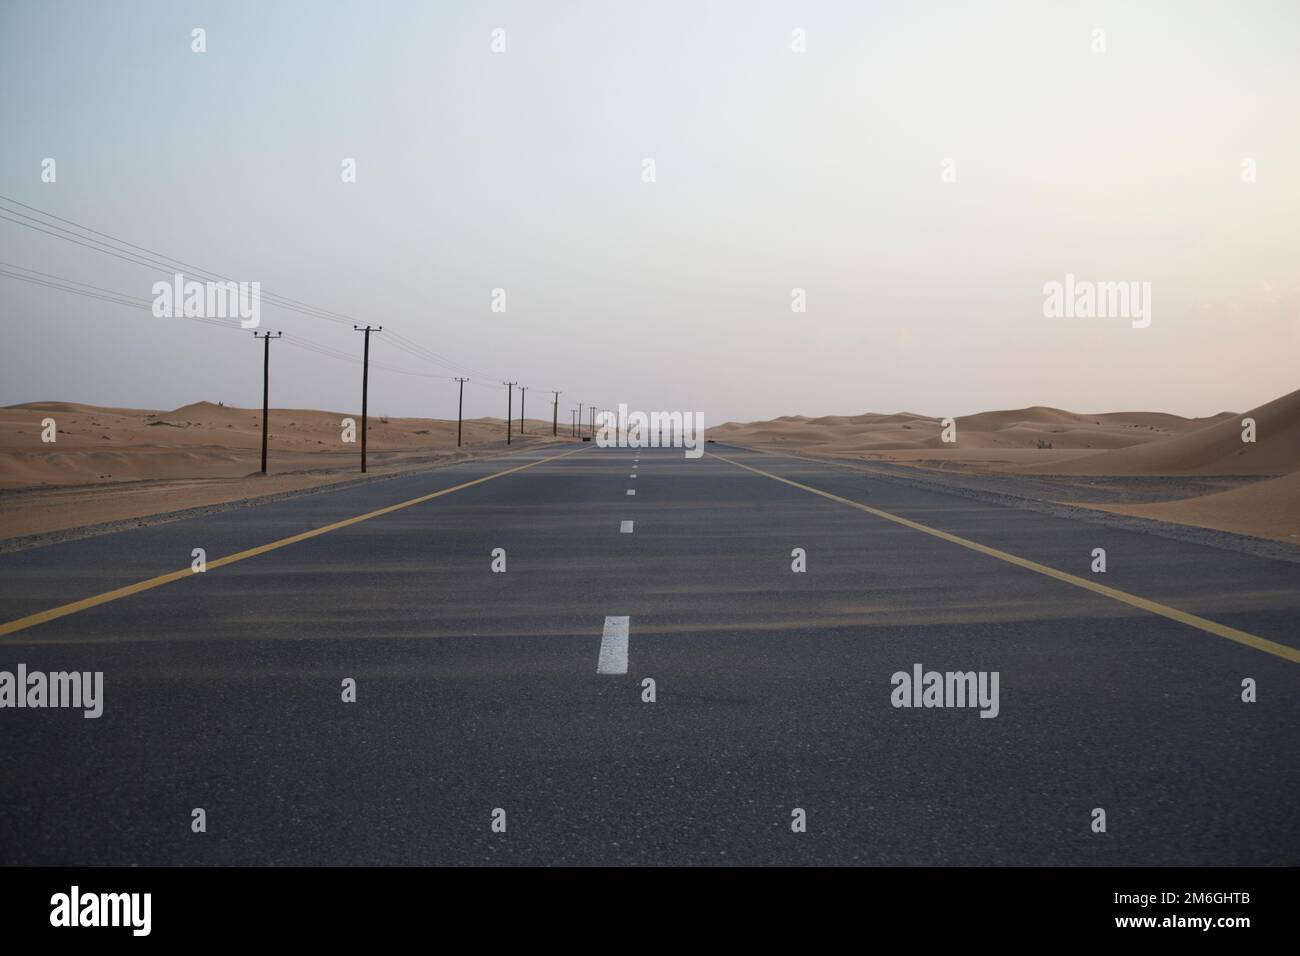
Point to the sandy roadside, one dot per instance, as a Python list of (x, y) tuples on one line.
[(113, 465), (1193, 472), (110, 465), (38, 511)]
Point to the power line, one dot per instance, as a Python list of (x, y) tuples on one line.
[(63, 284), (159, 261), (143, 256), (85, 236)]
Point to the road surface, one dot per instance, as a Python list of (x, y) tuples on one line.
[(479, 690)]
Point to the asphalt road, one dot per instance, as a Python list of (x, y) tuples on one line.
[(479, 690)]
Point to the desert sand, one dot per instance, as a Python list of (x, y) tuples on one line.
[(113, 464), (1216, 449), (1265, 509), (1009, 437), (1048, 442)]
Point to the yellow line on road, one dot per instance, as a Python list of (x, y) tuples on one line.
[(1154, 607), (64, 610)]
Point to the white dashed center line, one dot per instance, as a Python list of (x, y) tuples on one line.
[(625, 527), (631, 491), (613, 647)]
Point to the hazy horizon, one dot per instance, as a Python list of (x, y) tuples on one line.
[(775, 170)]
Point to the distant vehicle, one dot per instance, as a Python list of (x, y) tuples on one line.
[(710, 441), (586, 438)]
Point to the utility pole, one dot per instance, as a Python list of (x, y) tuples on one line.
[(365, 387), (573, 422), (510, 412), (555, 415), (266, 385), (593, 422), (460, 407), (523, 394)]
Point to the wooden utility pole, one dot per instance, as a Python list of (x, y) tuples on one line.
[(266, 385), (460, 407), (510, 412), (365, 387)]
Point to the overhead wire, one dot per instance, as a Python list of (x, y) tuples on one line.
[(146, 257)]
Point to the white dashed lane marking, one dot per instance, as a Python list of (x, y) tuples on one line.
[(625, 527), (613, 646), (631, 491)]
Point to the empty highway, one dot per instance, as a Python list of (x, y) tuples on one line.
[(480, 690)]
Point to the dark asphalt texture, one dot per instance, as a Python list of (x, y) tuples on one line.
[(479, 690)]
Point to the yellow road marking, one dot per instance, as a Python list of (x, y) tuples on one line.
[(64, 610), (1182, 617)]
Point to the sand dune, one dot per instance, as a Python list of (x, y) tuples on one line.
[(1037, 427), (1216, 449), (1123, 443), (1039, 440)]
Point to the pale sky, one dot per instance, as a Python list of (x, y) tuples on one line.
[(774, 170)]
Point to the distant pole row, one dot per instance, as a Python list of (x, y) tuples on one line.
[(365, 398)]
